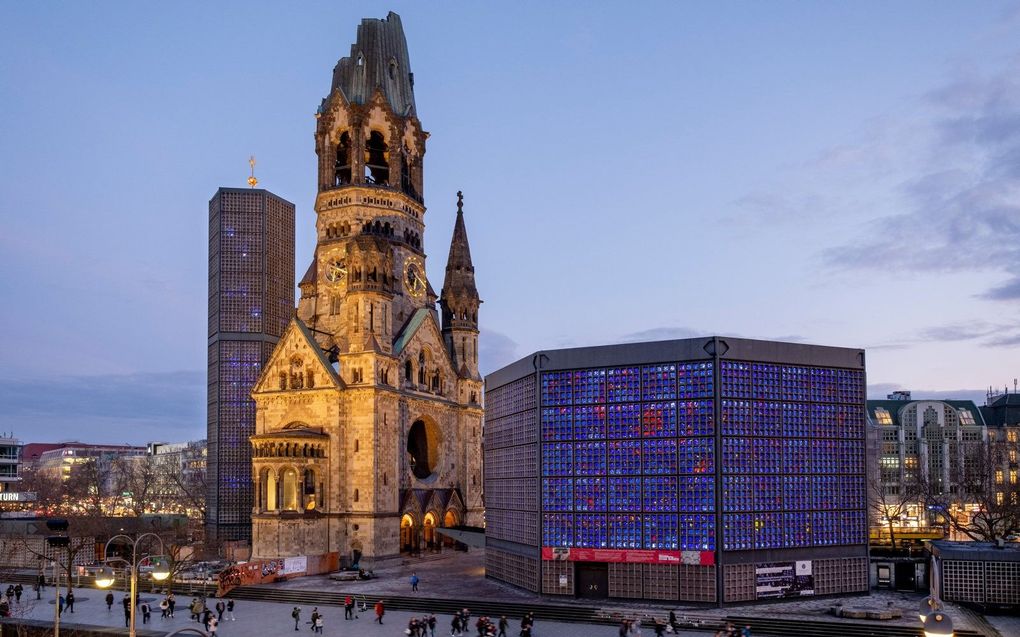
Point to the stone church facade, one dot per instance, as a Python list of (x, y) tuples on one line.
[(369, 416)]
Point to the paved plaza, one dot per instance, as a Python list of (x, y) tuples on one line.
[(261, 619)]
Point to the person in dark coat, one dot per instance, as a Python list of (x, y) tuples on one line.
[(70, 601)]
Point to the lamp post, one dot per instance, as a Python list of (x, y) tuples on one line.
[(160, 570), (934, 621), (55, 542)]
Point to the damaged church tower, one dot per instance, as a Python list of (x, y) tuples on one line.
[(368, 424)]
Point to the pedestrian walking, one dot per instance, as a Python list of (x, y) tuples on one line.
[(171, 601), (146, 612), (69, 600), (380, 610), (348, 607), (230, 610), (10, 594), (126, 603), (41, 581), (213, 625), (317, 624), (207, 616), (315, 615), (414, 582), (38, 591), (18, 590), (109, 602), (455, 626), (296, 615), (60, 605), (220, 608), (503, 624), (164, 609), (432, 625)]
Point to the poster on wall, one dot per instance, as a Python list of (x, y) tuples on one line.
[(783, 579)]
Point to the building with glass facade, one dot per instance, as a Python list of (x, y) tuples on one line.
[(251, 299), (710, 470)]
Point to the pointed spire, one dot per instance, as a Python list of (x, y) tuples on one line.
[(460, 273)]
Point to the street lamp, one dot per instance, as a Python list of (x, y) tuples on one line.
[(938, 624), (60, 541), (160, 570), (928, 605)]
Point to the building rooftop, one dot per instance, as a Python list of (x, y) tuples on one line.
[(894, 407), (984, 551)]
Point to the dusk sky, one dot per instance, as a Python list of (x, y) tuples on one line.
[(836, 173)]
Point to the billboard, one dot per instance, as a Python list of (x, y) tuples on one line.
[(783, 579)]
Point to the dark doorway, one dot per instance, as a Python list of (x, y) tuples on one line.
[(592, 580), (905, 576)]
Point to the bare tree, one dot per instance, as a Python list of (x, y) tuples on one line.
[(984, 484), (90, 487), (889, 508), (136, 479)]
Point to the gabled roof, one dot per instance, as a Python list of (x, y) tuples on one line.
[(408, 330), (297, 329)]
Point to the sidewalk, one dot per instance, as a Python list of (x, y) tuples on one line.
[(265, 619)]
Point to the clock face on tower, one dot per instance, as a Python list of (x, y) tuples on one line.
[(415, 279), (336, 271)]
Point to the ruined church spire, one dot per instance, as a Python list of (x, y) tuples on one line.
[(459, 300)]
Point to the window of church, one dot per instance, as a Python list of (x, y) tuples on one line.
[(356, 495), (357, 445)]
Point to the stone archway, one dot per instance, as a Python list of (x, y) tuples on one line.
[(429, 529), (423, 448), (408, 534)]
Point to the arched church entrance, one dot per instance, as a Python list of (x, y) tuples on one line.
[(408, 534), (429, 527), (449, 521)]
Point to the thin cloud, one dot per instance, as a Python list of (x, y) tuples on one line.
[(495, 350), (961, 211), (133, 408)]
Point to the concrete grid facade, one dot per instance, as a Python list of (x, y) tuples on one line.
[(251, 299), (706, 470)]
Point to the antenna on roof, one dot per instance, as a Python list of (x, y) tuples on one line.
[(251, 180)]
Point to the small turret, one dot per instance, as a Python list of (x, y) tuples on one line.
[(459, 301)]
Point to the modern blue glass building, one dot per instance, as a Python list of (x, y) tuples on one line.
[(712, 470)]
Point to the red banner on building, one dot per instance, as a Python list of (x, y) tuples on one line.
[(631, 556)]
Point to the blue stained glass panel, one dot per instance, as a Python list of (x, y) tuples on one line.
[(660, 494), (696, 418), (557, 459), (558, 529), (557, 494), (659, 456), (590, 494), (624, 421), (697, 532), (625, 494), (590, 531), (661, 531), (557, 388), (624, 457), (697, 493), (624, 531), (590, 422), (590, 458), (695, 455), (589, 386), (695, 380), (658, 382), (556, 423), (623, 384), (658, 420)]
